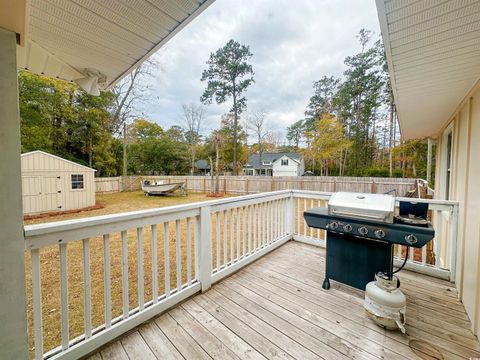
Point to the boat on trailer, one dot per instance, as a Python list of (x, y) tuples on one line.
[(152, 187)]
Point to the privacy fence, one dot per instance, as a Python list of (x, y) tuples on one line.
[(258, 184)]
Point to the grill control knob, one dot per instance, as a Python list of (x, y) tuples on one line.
[(333, 225), (380, 234), (363, 230), (411, 239), (347, 228)]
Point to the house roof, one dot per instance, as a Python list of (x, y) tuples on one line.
[(100, 41), (432, 50), (56, 157), (202, 165), (254, 160)]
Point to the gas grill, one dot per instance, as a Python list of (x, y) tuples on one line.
[(361, 232)]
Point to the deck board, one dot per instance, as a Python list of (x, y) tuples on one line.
[(276, 308)]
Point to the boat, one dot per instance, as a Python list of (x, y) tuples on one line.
[(151, 187)]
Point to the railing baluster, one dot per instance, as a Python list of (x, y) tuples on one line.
[(437, 242), (244, 231), (224, 238), (232, 239), (238, 233), (166, 252), (318, 230), (125, 302), (87, 292), (64, 296), (217, 237), (196, 243), (269, 222), (298, 217), (178, 258), (250, 227), (37, 303), (106, 280), (189, 252), (311, 229), (140, 277), (154, 263), (254, 234), (304, 223)]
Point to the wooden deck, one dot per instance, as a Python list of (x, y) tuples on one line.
[(276, 308)]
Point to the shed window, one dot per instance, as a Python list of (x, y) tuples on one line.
[(284, 162), (77, 181)]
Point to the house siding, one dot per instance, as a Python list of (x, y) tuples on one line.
[(464, 187), (292, 169)]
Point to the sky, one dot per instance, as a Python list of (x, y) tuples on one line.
[(293, 44)]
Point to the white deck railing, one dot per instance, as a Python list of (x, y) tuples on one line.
[(154, 259)]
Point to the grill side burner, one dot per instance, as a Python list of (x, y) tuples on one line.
[(359, 246)]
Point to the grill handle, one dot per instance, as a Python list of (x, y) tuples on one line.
[(354, 215)]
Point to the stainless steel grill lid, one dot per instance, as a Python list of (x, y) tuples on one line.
[(375, 207)]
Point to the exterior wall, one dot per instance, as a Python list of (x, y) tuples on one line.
[(292, 169), (464, 187), (46, 183)]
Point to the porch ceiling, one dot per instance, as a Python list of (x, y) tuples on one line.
[(73, 39), (433, 54)]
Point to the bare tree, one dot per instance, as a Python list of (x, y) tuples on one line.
[(193, 117), (255, 122), (128, 93)]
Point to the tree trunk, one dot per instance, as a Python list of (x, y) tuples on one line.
[(124, 149), (235, 130), (192, 170), (212, 184), (390, 143)]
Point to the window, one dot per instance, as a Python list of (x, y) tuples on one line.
[(267, 162), (77, 181), (284, 162)]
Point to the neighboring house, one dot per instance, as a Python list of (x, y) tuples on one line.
[(202, 166), (275, 164), (51, 183), (432, 53)]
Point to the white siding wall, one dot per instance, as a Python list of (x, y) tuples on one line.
[(292, 169), (46, 182), (465, 188)]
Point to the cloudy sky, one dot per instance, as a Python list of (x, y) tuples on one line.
[(293, 43)]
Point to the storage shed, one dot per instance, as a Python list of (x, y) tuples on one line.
[(51, 183)]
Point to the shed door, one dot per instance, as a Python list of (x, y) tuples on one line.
[(51, 193), (32, 193)]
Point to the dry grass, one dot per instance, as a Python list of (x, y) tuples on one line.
[(50, 266)]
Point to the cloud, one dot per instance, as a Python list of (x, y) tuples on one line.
[(293, 44)]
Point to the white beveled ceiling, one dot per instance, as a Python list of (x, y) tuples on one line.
[(73, 39), (433, 54)]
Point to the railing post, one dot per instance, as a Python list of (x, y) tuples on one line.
[(291, 215), (454, 242), (204, 249)]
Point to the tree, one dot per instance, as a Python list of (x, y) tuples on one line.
[(295, 133), (256, 123), (193, 116), (228, 151), (228, 76), (322, 100), (330, 143)]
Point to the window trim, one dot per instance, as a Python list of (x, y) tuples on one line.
[(282, 162), (77, 181)]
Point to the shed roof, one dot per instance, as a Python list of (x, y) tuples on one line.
[(99, 41), (254, 160), (432, 50), (58, 158)]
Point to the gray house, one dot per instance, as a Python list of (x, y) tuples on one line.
[(275, 164), (202, 166)]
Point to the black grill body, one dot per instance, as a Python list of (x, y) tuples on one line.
[(357, 249)]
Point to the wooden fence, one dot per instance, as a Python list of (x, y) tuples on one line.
[(257, 184)]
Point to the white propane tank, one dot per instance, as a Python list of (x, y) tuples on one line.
[(385, 303)]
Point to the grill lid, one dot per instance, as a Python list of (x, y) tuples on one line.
[(377, 207)]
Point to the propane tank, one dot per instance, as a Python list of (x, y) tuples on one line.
[(385, 303)]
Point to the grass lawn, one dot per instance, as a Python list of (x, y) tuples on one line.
[(50, 265)]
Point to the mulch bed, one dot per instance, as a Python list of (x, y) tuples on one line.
[(56, 213)]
